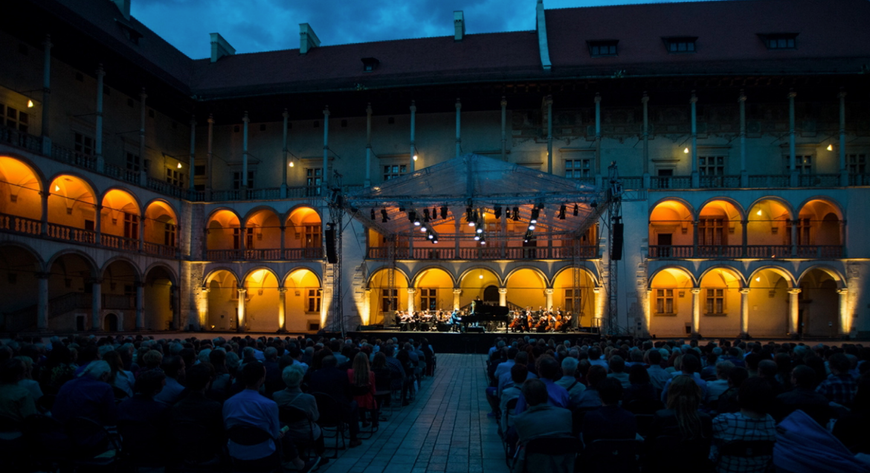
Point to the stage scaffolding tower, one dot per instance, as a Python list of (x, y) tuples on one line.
[(613, 221)]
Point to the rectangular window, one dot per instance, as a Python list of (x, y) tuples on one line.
[(665, 301), (711, 232), (572, 299), (857, 163), (711, 165), (13, 118), (84, 145), (312, 236), (803, 164), (169, 235), (314, 180), (394, 170), (131, 226), (602, 48), (428, 299), (577, 168), (389, 300), (237, 180), (715, 301), (199, 170), (680, 45), (312, 300), (174, 177), (132, 162), (780, 40)]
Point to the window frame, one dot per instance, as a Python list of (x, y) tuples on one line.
[(595, 47), (779, 41), (672, 44), (715, 301), (663, 295)]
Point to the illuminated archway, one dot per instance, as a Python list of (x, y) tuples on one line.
[(302, 235), (474, 284), (434, 290), (527, 288), (20, 189), (71, 210), (266, 240), (720, 230), (120, 278), (819, 232), (768, 302), (303, 301), (161, 295), (578, 299), (223, 241), (671, 230), (819, 305), (119, 220), (768, 230), (160, 229), (720, 302), (671, 303), (386, 296), (223, 299), (261, 301), (19, 287), (70, 289)]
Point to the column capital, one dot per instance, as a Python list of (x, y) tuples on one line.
[(204, 290), (842, 93), (368, 108), (597, 98), (139, 284), (694, 98), (193, 121), (100, 70), (843, 291), (47, 42), (242, 290), (742, 96), (696, 290), (95, 280), (245, 119), (503, 102), (42, 275), (794, 291), (502, 290), (326, 111), (142, 94), (548, 291), (413, 107), (597, 289), (282, 290), (645, 98), (457, 291), (744, 290), (791, 94), (285, 113), (412, 290), (210, 119), (458, 104)]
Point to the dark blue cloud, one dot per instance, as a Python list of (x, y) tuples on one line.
[(262, 25)]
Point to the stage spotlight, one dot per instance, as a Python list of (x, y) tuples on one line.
[(469, 214), (482, 241), (516, 213), (479, 229), (532, 227), (562, 212), (434, 212), (435, 241), (412, 215), (476, 237), (384, 217), (423, 228), (594, 204), (497, 211), (443, 211), (425, 215), (535, 214), (401, 207), (576, 210), (373, 214), (431, 237), (416, 222)]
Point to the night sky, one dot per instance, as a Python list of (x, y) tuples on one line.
[(266, 25)]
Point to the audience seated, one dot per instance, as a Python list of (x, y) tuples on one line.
[(680, 427), (292, 396), (89, 395), (548, 370), (839, 386), (610, 421), (617, 371), (641, 389), (16, 402), (751, 424), (362, 382), (541, 418), (569, 380), (803, 396), (334, 382)]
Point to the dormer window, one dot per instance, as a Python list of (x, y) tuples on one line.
[(602, 48), (129, 31), (370, 64), (775, 41), (680, 44)]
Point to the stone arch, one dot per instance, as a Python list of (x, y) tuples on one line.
[(224, 235), (544, 279), (301, 268), (40, 263), (434, 288), (399, 271), (741, 212), (161, 297), (122, 190), (264, 225), (303, 227), (664, 200), (469, 271), (95, 270), (721, 267), (671, 302), (840, 212), (768, 229), (72, 208), (720, 301), (421, 273), (528, 287), (223, 299), (124, 259), (829, 270), (303, 299), (768, 299), (473, 285), (384, 300), (21, 188), (171, 272), (261, 268), (160, 228), (773, 198), (261, 300), (820, 307), (20, 268), (673, 267), (214, 271), (592, 273), (671, 229)]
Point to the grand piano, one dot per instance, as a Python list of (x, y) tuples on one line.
[(484, 313)]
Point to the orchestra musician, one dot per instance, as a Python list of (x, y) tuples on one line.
[(454, 321)]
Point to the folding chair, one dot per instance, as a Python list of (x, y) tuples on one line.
[(12, 442), (142, 444), (606, 456), (290, 415), (362, 391), (47, 442), (196, 448), (382, 391), (509, 410), (331, 419), (92, 446), (553, 454), (247, 435)]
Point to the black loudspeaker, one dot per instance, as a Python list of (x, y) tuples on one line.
[(331, 257), (476, 330), (616, 251)]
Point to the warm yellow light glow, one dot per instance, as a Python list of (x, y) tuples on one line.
[(758, 279), (830, 147), (30, 104), (758, 213), (415, 157), (179, 165), (480, 276), (291, 164), (686, 150), (56, 188)]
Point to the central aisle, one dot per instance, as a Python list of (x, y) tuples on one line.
[(444, 430)]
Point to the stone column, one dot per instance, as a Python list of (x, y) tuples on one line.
[(368, 178), (458, 136), (241, 309), (696, 310), (244, 181), (845, 319), (456, 293), (744, 311), (502, 297), (549, 102), (413, 161), (42, 301), (411, 294), (503, 129), (600, 295), (696, 178), (192, 158), (645, 101), (283, 241), (793, 311), (98, 223), (282, 309), (140, 246), (44, 196), (98, 133), (243, 240), (367, 306), (844, 171), (794, 237), (549, 293), (793, 179), (285, 151), (46, 96), (140, 306), (745, 237), (325, 170), (694, 239), (143, 112), (96, 303), (744, 175), (208, 162)]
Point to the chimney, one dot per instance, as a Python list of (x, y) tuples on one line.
[(458, 25), (220, 47), (124, 6), (307, 39)]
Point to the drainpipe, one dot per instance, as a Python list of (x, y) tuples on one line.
[(744, 175), (286, 164), (503, 129), (458, 138), (413, 124), (696, 179), (46, 96), (98, 139), (368, 179)]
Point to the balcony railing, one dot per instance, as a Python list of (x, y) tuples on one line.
[(768, 181), (11, 136), (820, 251), (303, 253), (486, 253), (719, 251), (819, 180), (159, 250), (751, 251), (263, 254), (119, 243), (75, 158), (15, 224), (671, 251), (670, 182), (223, 255), (717, 182), (76, 235), (768, 251), (118, 301)]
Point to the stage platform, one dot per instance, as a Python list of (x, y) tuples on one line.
[(472, 343)]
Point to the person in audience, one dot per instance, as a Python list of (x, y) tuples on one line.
[(250, 408), (16, 401), (196, 408), (590, 398), (569, 380), (292, 396), (124, 380), (839, 387), (640, 389), (28, 382), (751, 423), (541, 418), (728, 399), (362, 381), (690, 365), (400, 378), (505, 380), (334, 382), (658, 377), (548, 370), (804, 397), (682, 427), (610, 421), (143, 413), (617, 371), (59, 368), (767, 370), (519, 374), (173, 368), (851, 429), (89, 395)]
